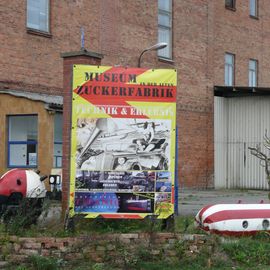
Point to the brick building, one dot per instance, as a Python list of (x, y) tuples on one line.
[(218, 48)]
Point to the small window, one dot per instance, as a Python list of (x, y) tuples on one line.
[(230, 4), (38, 15), (165, 27), (265, 224), (253, 73), (229, 69), (245, 224), (22, 141), (253, 8), (58, 143)]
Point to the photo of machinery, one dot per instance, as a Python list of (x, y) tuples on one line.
[(123, 144)]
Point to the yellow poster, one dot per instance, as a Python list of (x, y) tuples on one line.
[(123, 142)]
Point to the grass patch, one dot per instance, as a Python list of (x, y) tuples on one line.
[(158, 266), (36, 262), (186, 225), (149, 224), (19, 225), (44, 263), (23, 223), (249, 252)]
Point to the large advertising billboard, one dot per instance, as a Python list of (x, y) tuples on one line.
[(123, 142)]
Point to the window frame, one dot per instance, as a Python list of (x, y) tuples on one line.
[(231, 6), (233, 69), (56, 158), (169, 28), (256, 16), (30, 142), (254, 72), (35, 31)]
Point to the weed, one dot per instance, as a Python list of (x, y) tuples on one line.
[(144, 254), (116, 226), (158, 266), (180, 248), (98, 266), (43, 263), (21, 268), (17, 218)]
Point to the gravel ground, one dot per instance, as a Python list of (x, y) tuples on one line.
[(191, 201)]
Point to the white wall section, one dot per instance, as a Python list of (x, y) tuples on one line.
[(240, 122)]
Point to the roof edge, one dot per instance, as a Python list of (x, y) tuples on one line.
[(240, 91), (49, 99), (82, 52)]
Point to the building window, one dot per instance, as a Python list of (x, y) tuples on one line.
[(38, 15), (252, 73), (58, 141), (253, 8), (165, 27), (22, 141), (230, 4), (229, 69)]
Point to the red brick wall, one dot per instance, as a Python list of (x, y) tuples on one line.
[(116, 249), (33, 62), (194, 96), (120, 29), (236, 32)]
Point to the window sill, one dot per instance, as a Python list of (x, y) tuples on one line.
[(38, 33), (254, 17), (166, 60), (230, 8), (22, 167)]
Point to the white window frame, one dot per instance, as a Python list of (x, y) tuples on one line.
[(253, 73), (253, 8), (35, 9), (166, 52), (229, 69)]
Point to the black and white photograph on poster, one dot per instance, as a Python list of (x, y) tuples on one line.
[(97, 202), (123, 144), (115, 181)]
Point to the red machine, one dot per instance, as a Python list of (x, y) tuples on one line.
[(17, 184), (234, 219)]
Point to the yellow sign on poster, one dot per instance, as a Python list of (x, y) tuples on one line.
[(123, 142)]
